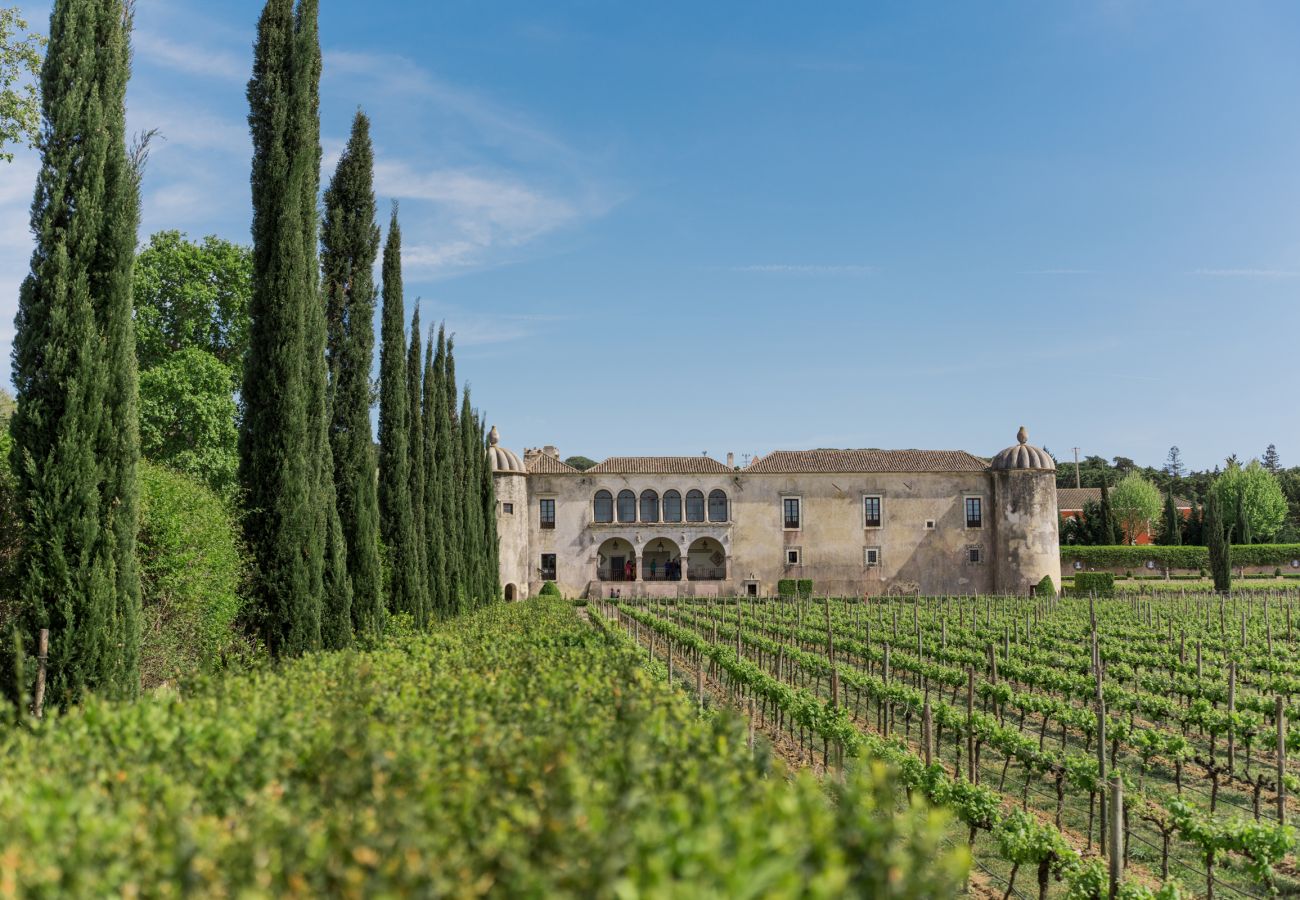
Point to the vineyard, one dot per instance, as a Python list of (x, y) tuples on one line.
[(519, 751), (1074, 740)]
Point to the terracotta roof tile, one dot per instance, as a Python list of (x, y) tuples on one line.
[(659, 465), (545, 464), (865, 461)]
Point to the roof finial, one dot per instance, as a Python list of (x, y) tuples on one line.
[(1022, 436), (494, 436)]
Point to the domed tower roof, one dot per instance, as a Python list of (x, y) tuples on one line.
[(502, 459), (1023, 455)]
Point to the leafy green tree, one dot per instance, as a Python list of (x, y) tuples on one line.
[(1218, 537), (280, 469), (193, 295), (349, 245), (20, 66), (1171, 527), (396, 526), (1136, 504), (187, 419), (7, 407), (581, 463), (75, 430), (1253, 501), (1194, 527)]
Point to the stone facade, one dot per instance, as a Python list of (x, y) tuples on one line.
[(854, 522)]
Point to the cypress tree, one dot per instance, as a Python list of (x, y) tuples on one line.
[(1172, 533), (1108, 536), (488, 518), (395, 525), (1217, 540), (75, 429), (444, 435), (1246, 536), (349, 245), (415, 432), (453, 482), (471, 531), (430, 409)]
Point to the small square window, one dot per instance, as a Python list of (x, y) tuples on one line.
[(975, 555), (547, 512), (790, 507), (974, 512), (508, 508), (751, 589), (871, 512), (929, 524), (548, 567), (793, 556), (871, 557)]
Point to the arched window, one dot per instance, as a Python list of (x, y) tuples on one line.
[(604, 506), (626, 506), (717, 506), (649, 506), (672, 506), (694, 506)]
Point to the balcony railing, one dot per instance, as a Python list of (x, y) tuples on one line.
[(706, 573)]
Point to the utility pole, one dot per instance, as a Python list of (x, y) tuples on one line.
[(1077, 482)]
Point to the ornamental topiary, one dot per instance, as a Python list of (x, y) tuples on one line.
[(549, 589), (1045, 587)]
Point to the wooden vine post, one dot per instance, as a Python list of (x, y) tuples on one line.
[(927, 732), (1101, 752), (1232, 707), (1279, 713), (1116, 834), (830, 653), (970, 724)]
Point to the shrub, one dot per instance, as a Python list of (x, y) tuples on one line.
[(191, 567), (786, 587), (805, 587), (1045, 587), (1184, 557), (1100, 583), (549, 589)]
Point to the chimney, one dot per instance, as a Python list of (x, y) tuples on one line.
[(731, 460)]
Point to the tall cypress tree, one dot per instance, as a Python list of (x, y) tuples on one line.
[(444, 436), (1172, 530), (471, 551), (76, 443), (279, 462), (415, 431), (349, 245), (453, 487), (1107, 536), (395, 523), (1217, 541), (488, 520), (435, 548)]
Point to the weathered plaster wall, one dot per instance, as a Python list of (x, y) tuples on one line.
[(1028, 539), (512, 532)]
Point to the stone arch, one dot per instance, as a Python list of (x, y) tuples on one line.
[(661, 560), (694, 505), (707, 560), (718, 511), (512, 592), (602, 506), (612, 558), (649, 511), (625, 507)]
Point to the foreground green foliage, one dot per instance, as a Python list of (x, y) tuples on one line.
[(517, 752)]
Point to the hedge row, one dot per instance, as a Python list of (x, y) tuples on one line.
[(1178, 557), (514, 753)]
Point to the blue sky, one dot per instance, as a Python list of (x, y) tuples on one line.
[(680, 227)]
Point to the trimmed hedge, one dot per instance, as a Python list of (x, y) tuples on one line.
[(791, 587), (549, 589), (1100, 583), (1179, 557)]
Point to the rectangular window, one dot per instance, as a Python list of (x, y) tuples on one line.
[(547, 508), (548, 567), (974, 512), (791, 506), (871, 512), (793, 555), (508, 508), (871, 557), (974, 555)]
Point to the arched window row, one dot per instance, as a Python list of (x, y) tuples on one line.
[(605, 507)]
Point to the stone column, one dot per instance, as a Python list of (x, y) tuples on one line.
[(636, 572), (686, 565), (727, 569)]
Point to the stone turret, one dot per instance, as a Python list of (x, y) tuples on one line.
[(1026, 534), (510, 478)]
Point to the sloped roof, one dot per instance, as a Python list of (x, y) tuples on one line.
[(545, 464), (865, 461), (1075, 498), (659, 465)]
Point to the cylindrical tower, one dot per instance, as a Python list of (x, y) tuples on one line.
[(1026, 533), (510, 479)]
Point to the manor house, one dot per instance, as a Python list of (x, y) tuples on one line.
[(854, 522)]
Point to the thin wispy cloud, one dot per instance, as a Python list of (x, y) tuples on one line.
[(192, 59), (795, 269), (1247, 273)]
